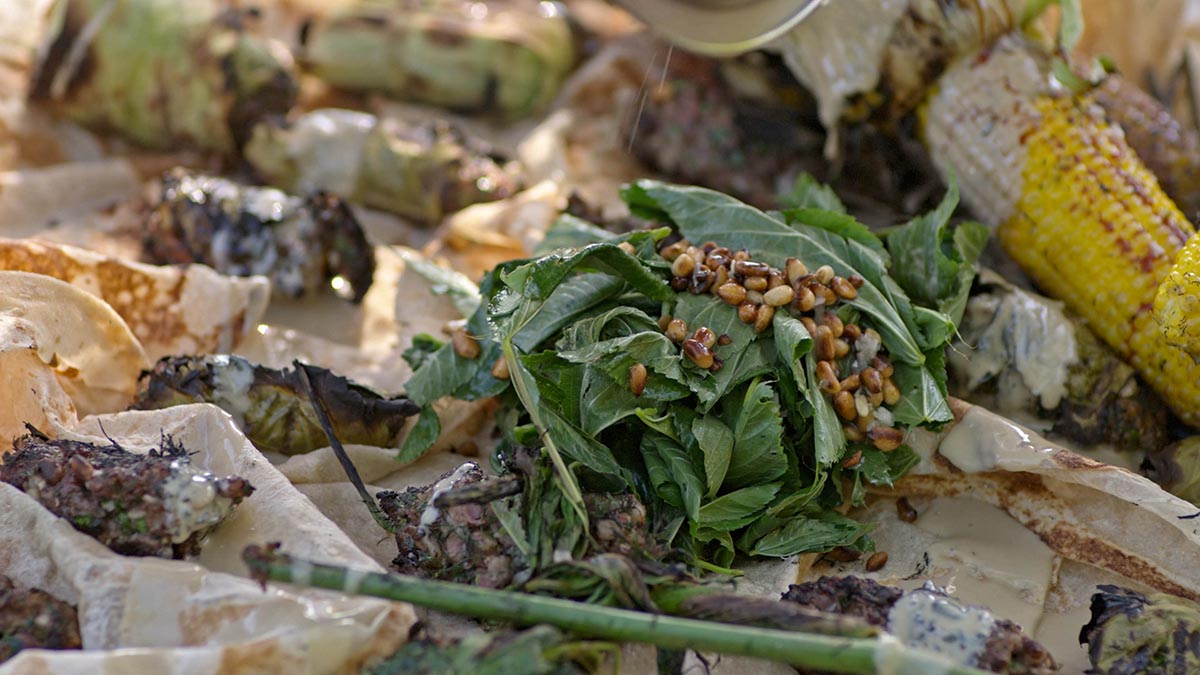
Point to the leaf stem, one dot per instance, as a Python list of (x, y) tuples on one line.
[(804, 650)]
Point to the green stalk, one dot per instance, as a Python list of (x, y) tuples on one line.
[(802, 650)]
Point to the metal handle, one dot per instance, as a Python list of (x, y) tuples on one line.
[(721, 27)]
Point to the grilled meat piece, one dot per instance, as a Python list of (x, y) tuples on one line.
[(154, 504)]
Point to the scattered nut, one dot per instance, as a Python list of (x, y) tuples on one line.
[(824, 274), (844, 289), (698, 354), (843, 405), (905, 510), (676, 330), (886, 438), (637, 379), (500, 369), (464, 344), (763, 320), (705, 336), (779, 296), (732, 293), (877, 561), (795, 269), (748, 312), (683, 266)]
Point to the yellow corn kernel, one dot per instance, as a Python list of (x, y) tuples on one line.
[(1071, 202), (1177, 304)]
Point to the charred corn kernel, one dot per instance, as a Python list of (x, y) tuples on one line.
[(1169, 149), (1071, 202), (1177, 304)]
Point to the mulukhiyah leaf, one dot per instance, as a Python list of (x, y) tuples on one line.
[(809, 193), (884, 468), (922, 394), (423, 347), (420, 437), (569, 231), (828, 440), (716, 445), (742, 359), (536, 280), (933, 264), (679, 470), (572, 298), (838, 223), (737, 509), (703, 215), (810, 534), (753, 415)]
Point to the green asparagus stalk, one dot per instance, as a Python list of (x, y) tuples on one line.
[(419, 171), (504, 58), (806, 651), (161, 72)]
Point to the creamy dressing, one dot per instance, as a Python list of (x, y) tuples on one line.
[(1025, 343), (232, 378), (982, 555), (930, 620), (431, 513), (982, 441), (191, 501)]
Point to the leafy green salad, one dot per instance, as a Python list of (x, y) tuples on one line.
[(746, 374)]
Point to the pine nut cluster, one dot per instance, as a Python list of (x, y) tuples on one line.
[(852, 368)]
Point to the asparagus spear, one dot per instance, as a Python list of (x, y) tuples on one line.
[(419, 171), (506, 58), (803, 650), (161, 72)]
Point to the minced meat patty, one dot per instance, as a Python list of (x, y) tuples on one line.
[(30, 618)]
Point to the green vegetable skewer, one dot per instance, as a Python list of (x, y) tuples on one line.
[(808, 651)]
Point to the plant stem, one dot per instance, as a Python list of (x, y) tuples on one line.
[(803, 650)]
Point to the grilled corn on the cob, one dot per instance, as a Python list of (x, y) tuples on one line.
[(1071, 201), (1177, 305)]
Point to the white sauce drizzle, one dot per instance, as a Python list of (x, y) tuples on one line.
[(1023, 334), (191, 501), (927, 619), (232, 379), (431, 513), (983, 441)]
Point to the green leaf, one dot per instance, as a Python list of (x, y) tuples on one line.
[(424, 346), (1070, 27), (757, 436), (935, 265), (828, 440), (810, 535), (737, 509), (716, 445), (445, 373), (703, 215), (541, 277), (743, 356), (809, 193), (444, 281), (574, 297), (840, 224), (884, 468), (679, 469), (569, 231), (421, 436), (922, 394)]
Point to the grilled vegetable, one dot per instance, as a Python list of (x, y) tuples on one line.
[(1071, 202), (535, 651), (1176, 467), (34, 619), (1020, 353), (420, 171), (162, 73), (1177, 303), (154, 504), (502, 57), (1133, 633), (929, 618), (1170, 150), (303, 245), (272, 406), (850, 652)]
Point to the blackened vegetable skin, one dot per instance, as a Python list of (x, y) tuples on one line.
[(33, 619)]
